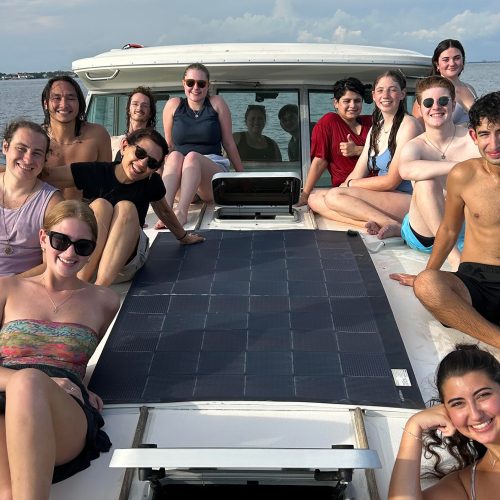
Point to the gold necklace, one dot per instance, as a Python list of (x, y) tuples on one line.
[(383, 128), (8, 249), (56, 307), (443, 153)]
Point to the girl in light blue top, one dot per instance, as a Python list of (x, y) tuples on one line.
[(374, 195)]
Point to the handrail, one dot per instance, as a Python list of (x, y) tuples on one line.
[(100, 78)]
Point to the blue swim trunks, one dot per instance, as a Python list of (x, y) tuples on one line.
[(413, 242)]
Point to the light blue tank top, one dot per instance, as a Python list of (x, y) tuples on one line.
[(383, 160)]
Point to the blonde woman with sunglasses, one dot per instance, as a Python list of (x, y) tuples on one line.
[(50, 424), (197, 127)]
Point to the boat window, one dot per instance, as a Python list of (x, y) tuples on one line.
[(266, 128), (109, 110)]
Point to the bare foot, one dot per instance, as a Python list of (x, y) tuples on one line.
[(372, 228), (389, 231), (159, 225)]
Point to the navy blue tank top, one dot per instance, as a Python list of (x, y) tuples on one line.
[(199, 131)]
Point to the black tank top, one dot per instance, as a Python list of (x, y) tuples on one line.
[(197, 132)]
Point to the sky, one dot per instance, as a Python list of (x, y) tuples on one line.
[(45, 35)]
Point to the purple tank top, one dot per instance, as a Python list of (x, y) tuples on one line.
[(23, 225)]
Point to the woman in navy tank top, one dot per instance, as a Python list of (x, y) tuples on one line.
[(197, 127)]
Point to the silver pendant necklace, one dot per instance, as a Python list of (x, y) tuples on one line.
[(197, 112), (443, 153), (8, 248)]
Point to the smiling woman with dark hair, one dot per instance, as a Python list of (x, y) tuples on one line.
[(448, 61), (253, 145), (466, 424)]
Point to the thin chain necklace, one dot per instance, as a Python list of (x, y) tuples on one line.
[(76, 140), (197, 112), (443, 153), (56, 307), (494, 461), (8, 249)]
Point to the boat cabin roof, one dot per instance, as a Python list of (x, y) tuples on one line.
[(247, 63)]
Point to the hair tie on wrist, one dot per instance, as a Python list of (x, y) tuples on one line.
[(183, 236), (349, 182)]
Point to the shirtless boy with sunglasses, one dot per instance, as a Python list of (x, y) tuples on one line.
[(427, 159), (469, 299)]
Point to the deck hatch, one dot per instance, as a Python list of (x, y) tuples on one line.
[(279, 315)]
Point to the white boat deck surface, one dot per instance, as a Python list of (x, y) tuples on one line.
[(278, 424)]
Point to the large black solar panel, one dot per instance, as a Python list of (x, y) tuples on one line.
[(257, 315)]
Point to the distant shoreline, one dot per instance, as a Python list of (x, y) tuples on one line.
[(35, 75)]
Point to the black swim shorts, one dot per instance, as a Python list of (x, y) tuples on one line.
[(483, 283), (96, 440)]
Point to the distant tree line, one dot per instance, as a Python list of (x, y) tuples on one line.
[(30, 75)]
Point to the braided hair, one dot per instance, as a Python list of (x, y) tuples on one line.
[(378, 120)]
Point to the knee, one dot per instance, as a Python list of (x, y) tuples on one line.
[(24, 384), (333, 198), (426, 284), (102, 209), (192, 159), (316, 201), (126, 212)]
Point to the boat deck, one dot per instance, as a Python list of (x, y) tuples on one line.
[(278, 424)]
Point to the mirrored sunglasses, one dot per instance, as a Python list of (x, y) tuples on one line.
[(201, 83), (61, 242), (141, 154), (442, 101)]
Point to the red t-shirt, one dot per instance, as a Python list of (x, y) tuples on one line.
[(326, 136)]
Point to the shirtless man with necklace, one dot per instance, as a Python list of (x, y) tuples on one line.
[(72, 138), (469, 299), (427, 159)]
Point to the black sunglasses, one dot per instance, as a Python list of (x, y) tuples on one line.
[(201, 83), (141, 153), (61, 242), (442, 101)]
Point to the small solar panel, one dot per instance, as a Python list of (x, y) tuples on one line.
[(294, 315)]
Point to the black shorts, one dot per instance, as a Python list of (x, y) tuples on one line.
[(483, 283), (96, 440)]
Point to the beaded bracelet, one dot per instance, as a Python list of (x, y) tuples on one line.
[(182, 237), (411, 434)]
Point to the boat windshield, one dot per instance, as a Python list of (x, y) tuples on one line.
[(272, 127)]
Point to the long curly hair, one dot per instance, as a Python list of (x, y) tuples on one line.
[(464, 359), (378, 120)]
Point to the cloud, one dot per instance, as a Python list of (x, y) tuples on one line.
[(465, 26)]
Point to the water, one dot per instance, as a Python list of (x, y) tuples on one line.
[(21, 98)]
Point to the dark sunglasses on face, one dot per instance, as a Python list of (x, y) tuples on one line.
[(442, 101), (61, 242), (201, 83), (141, 154)]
